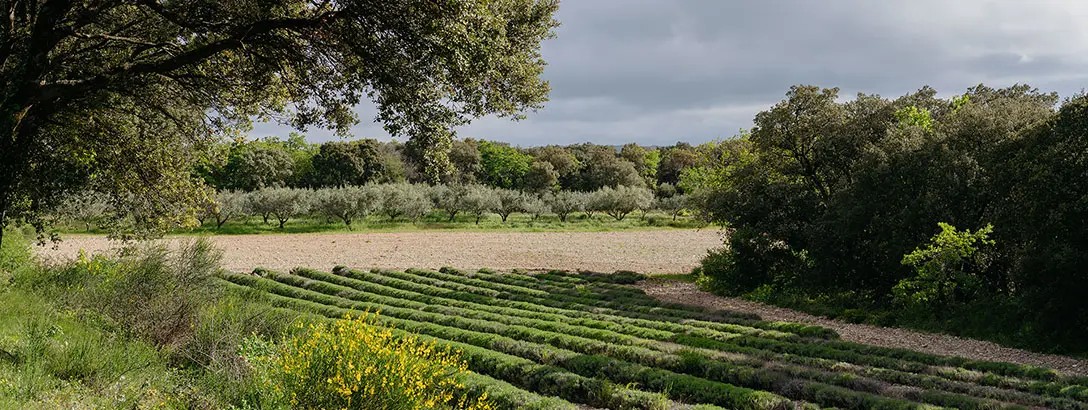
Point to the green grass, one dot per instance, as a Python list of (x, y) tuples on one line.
[(434, 221)]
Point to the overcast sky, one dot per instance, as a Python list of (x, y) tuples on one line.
[(658, 72)]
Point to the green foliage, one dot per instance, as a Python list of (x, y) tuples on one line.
[(339, 164), (503, 166), (145, 87), (946, 269), (402, 199), (257, 165), (541, 178), (912, 116), (824, 198), (620, 201), (564, 203), (354, 363)]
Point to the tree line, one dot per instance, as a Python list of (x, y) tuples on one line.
[(292, 162), (967, 213), (397, 201)]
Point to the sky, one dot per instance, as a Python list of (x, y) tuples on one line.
[(657, 72)]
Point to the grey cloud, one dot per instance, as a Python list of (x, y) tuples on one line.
[(660, 71)]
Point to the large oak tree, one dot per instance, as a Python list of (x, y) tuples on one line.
[(122, 94)]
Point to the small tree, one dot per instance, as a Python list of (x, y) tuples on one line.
[(449, 198), (510, 201), (403, 199), (946, 269), (535, 207), (594, 202), (620, 201), (259, 203), (229, 205), (346, 204), (564, 203), (87, 207), (285, 203), (673, 205), (479, 200)]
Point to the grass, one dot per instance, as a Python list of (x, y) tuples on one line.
[(433, 221)]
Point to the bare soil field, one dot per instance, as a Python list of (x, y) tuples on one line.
[(646, 251), (687, 293)]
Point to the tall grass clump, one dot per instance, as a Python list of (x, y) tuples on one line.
[(354, 363)]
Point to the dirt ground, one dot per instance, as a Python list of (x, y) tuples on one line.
[(687, 293), (647, 251)]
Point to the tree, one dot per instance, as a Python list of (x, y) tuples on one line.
[(510, 201), (448, 198), (541, 178), (563, 162), (404, 200), (257, 165), (535, 207), (479, 200), (285, 203), (646, 161), (339, 164), (347, 203), (620, 201), (564, 203), (674, 205), (603, 168), (503, 166), (674, 161), (228, 205), (946, 270), (466, 162), (130, 91)]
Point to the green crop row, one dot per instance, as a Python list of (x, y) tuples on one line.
[(954, 388), (495, 359), (759, 378)]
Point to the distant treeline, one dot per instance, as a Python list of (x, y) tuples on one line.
[(251, 164)]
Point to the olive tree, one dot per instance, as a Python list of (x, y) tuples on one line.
[(535, 207), (131, 92), (346, 204), (564, 203), (620, 201), (479, 200), (229, 205), (403, 199), (674, 205), (510, 201), (285, 203), (449, 198)]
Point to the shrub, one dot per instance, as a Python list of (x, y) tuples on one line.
[(354, 363), (564, 203), (946, 269), (403, 199), (151, 292)]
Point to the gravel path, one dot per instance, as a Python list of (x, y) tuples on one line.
[(683, 292), (648, 251)]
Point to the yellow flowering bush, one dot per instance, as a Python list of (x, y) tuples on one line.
[(356, 364)]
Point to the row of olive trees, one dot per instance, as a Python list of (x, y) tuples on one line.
[(412, 201)]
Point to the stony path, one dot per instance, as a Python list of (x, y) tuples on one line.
[(648, 251), (687, 293)]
